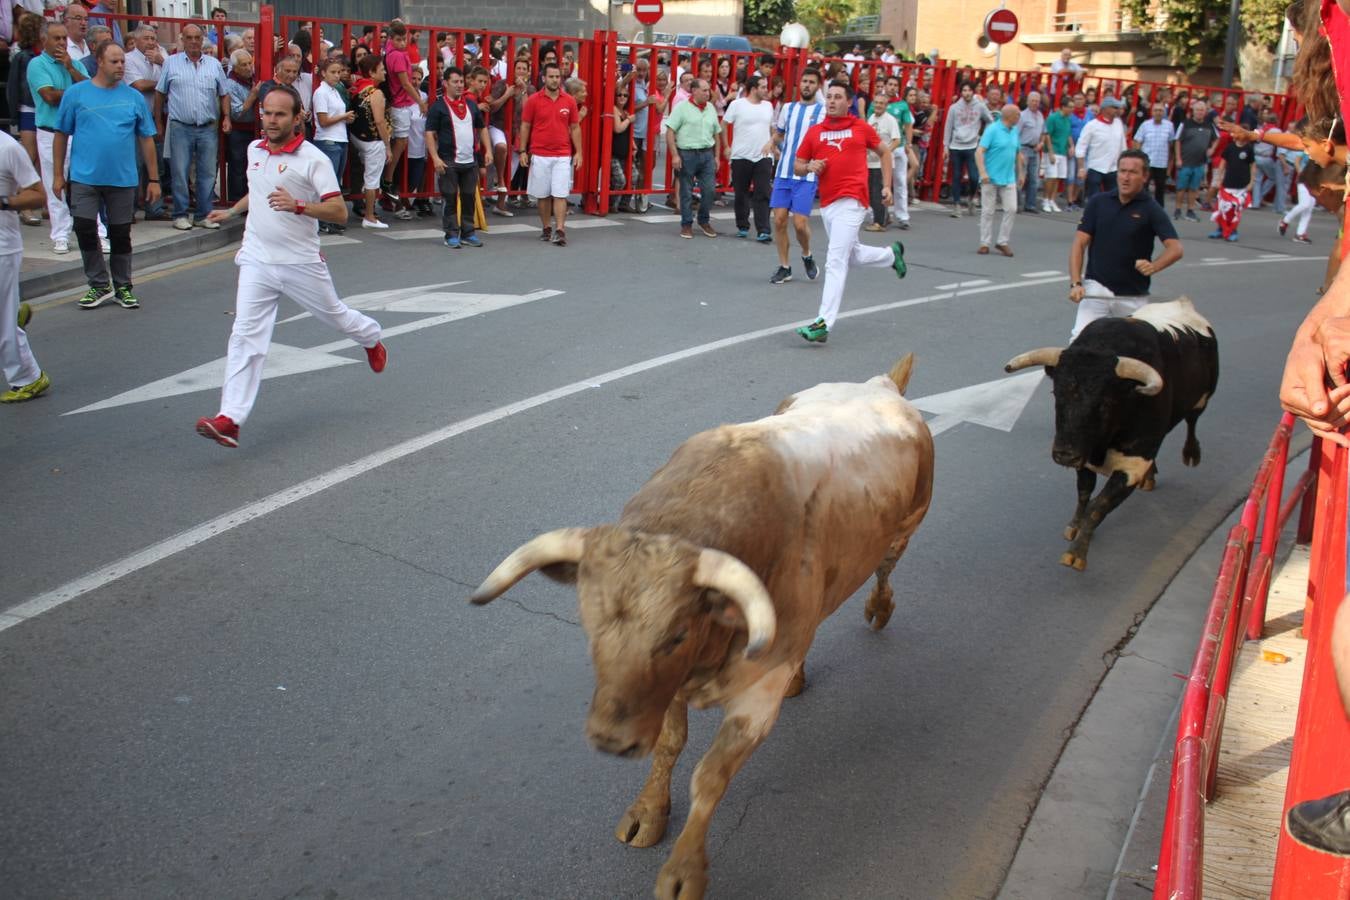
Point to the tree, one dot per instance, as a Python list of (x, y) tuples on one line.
[(1262, 21), (766, 16), (1188, 30), (824, 17)]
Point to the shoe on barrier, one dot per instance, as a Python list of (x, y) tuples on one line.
[(1322, 824)]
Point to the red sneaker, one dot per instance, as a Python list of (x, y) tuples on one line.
[(221, 429), (377, 356)]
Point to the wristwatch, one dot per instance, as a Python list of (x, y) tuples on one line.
[(4, 203), (299, 207)]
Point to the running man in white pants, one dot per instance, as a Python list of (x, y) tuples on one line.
[(835, 151), (19, 189), (290, 185), (1119, 227)]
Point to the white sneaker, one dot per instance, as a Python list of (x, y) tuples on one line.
[(60, 246), (1054, 207), (377, 224), (182, 223), (207, 224)]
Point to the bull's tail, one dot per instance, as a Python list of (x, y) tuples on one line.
[(900, 372)]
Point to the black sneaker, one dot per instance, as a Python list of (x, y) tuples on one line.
[(783, 274), (1322, 824), (546, 234), (811, 269), (1176, 215), (1191, 216)]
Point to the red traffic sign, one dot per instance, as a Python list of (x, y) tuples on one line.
[(648, 12), (1000, 26)]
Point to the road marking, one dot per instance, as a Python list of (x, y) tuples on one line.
[(285, 360), (1041, 274), (994, 404), (978, 282), (336, 240), (1214, 259), (1273, 256), (416, 234), (184, 540)]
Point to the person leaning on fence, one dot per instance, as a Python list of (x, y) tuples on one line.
[(456, 128), (243, 86), (695, 141), (620, 147), (191, 96), (111, 121), (369, 133)]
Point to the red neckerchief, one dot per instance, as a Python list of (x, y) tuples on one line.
[(362, 83), (836, 124), (459, 107), (701, 106)]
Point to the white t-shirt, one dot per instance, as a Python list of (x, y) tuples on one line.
[(753, 122), (282, 238), (1099, 145), (328, 100), (888, 130), (139, 68), (463, 137), (304, 86), (417, 131), (76, 51), (851, 59), (16, 173)]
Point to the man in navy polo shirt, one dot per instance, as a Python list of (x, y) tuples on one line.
[(1119, 227)]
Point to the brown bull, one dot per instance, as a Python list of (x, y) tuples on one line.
[(710, 587)]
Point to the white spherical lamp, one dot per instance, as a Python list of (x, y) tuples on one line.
[(795, 36)]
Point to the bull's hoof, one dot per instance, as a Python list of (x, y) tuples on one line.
[(1070, 532), (879, 609), (682, 879), (1190, 454), (1073, 561), (641, 825), (798, 682)]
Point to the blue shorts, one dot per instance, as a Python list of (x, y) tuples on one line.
[(793, 193), (1190, 178), (27, 120)]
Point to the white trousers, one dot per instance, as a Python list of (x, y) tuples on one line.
[(900, 184), (1006, 194), (255, 312), (57, 210), (1098, 303), (842, 220), (15, 356), (1303, 211)]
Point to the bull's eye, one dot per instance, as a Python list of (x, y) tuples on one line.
[(673, 641)]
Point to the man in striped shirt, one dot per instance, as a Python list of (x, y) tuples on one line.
[(792, 192), (191, 96)]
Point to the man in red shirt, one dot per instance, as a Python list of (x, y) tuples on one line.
[(550, 145), (835, 151)]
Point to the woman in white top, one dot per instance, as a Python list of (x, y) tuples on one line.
[(330, 127)]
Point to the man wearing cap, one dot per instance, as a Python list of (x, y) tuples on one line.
[(1099, 147)]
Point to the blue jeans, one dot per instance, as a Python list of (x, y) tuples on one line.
[(1268, 172), (1031, 156), (697, 165), (195, 146), (1096, 182), (963, 159), (336, 151)]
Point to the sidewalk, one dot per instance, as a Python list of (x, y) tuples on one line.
[(1098, 825), (152, 243)]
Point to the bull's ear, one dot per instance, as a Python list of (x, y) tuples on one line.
[(723, 611), (562, 572)]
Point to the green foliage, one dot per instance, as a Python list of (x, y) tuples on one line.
[(1262, 21), (766, 16), (1188, 30), (825, 17)]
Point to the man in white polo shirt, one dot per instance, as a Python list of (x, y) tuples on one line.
[(290, 185)]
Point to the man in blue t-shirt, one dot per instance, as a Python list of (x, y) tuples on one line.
[(1117, 234), (113, 122), (793, 193)]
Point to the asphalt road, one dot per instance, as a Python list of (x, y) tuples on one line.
[(297, 700)]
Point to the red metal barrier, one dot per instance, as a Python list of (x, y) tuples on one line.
[(1318, 767), (1200, 729)]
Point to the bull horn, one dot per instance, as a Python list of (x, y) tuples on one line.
[(735, 580), (1045, 356), (1150, 382), (563, 545)]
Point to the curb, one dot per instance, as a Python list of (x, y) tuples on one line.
[(190, 244)]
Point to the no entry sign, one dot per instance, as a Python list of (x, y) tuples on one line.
[(648, 12), (1000, 26)]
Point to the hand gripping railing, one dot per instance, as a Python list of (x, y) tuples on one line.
[(1195, 760)]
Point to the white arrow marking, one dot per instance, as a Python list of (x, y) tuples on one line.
[(993, 404), (286, 360)]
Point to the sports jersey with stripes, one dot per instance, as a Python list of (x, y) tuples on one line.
[(794, 121)]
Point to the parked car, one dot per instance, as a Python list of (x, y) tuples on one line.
[(732, 42), (685, 40)]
